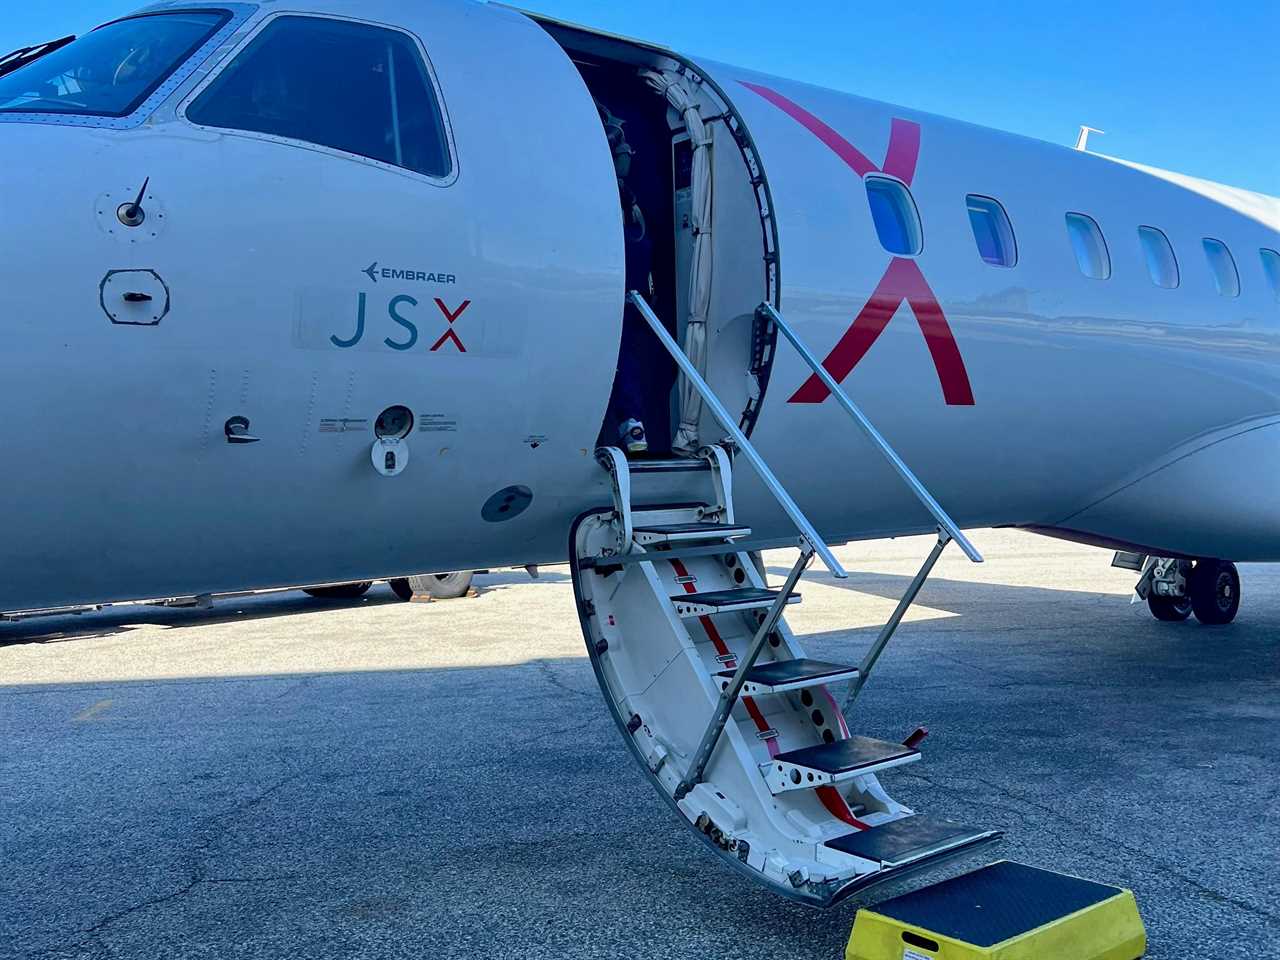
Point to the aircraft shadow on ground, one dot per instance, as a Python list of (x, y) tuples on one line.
[(380, 793), (454, 785), (121, 618)]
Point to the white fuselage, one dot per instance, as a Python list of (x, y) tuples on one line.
[(1109, 409)]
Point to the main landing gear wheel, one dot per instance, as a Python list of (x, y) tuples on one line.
[(342, 591), (1214, 587), (437, 586), (1169, 609)]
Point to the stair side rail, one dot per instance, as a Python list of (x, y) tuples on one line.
[(943, 519), (730, 425)]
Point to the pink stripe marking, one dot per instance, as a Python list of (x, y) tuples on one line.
[(901, 281), (952, 374), (859, 338), (845, 150), (904, 150)]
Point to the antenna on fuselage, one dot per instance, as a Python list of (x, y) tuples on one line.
[(132, 214), (1082, 141)]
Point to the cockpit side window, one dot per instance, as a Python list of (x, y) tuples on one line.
[(111, 71), (348, 86)]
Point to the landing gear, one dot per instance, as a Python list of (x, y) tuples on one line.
[(437, 586), (1169, 609), (341, 591), (1214, 589), (1175, 589)]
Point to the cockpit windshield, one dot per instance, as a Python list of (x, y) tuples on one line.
[(111, 71)]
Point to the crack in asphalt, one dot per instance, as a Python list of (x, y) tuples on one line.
[(548, 674), (222, 821)]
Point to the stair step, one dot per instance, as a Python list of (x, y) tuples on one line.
[(685, 552), (781, 676), (909, 840), (726, 601), (666, 465), (836, 762), (1009, 909), (689, 533)]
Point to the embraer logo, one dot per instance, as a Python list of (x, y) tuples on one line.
[(375, 272), (901, 281)]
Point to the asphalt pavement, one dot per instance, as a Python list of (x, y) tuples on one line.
[(285, 777)]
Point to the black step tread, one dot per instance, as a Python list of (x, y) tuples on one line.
[(897, 841), (995, 903), (790, 671), (724, 598), (844, 756), (656, 463), (706, 526), (677, 551)]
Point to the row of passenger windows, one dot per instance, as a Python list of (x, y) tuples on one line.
[(897, 224)]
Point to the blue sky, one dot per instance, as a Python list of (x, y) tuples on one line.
[(1190, 86)]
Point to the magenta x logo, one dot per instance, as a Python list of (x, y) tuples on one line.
[(901, 281)]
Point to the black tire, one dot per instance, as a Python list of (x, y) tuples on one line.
[(341, 591), (1169, 609), (443, 586), (437, 586), (1214, 587)]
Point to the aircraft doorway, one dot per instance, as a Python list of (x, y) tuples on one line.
[(639, 417), (700, 245)]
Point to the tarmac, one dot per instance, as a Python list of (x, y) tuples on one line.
[(286, 777)]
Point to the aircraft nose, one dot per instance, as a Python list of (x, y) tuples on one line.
[(78, 215)]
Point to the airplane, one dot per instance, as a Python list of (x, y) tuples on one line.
[(349, 290)]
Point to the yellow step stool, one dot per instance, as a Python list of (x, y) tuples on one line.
[(1004, 911)]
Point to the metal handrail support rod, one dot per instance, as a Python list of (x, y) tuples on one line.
[(615, 461), (912, 481), (887, 631), (729, 695), (731, 426)]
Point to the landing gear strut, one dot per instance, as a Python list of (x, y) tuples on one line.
[(1175, 589)]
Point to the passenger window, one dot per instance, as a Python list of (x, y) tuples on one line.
[(353, 87), (992, 231), (1162, 264), (1223, 265), (1271, 267), (1089, 246), (896, 217)]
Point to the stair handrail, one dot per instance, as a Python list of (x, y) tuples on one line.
[(943, 519), (752, 455)]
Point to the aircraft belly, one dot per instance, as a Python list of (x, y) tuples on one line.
[(1217, 498)]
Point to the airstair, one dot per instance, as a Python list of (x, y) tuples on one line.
[(736, 727)]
